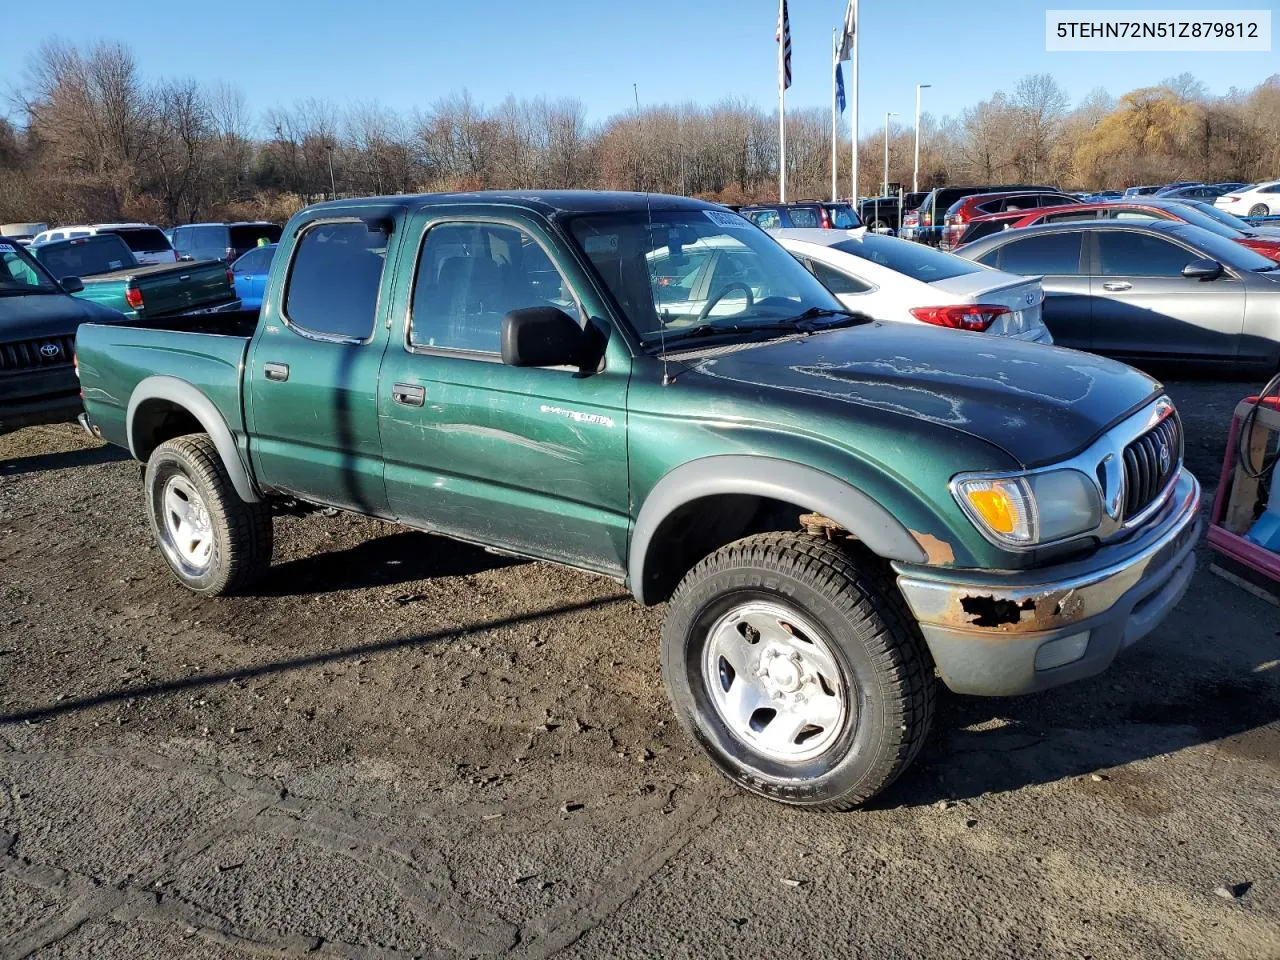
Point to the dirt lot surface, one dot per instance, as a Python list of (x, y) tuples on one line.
[(401, 747)]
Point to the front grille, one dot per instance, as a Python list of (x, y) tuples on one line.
[(33, 354), (1150, 463)]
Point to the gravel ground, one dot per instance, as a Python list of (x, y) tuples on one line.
[(402, 746)]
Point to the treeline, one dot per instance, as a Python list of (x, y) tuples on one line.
[(94, 139)]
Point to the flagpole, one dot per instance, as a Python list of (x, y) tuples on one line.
[(835, 122), (853, 89), (782, 108)]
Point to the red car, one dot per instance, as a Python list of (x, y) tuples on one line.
[(960, 213), (1268, 246)]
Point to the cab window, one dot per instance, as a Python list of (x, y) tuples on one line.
[(471, 275), (334, 280)]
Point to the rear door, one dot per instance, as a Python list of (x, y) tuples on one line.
[(1144, 307), (529, 458), (1058, 259), (311, 386)]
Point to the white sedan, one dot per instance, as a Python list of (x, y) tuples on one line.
[(1260, 200), (891, 279)]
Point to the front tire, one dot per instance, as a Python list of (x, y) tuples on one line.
[(213, 541), (1259, 210), (799, 671)]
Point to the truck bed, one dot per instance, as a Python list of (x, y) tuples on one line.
[(166, 288)]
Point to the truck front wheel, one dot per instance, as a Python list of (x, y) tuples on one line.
[(798, 670), (213, 541)]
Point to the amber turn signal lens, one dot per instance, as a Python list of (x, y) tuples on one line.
[(995, 507)]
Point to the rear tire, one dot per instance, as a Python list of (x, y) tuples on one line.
[(799, 671), (214, 542), (1259, 210)]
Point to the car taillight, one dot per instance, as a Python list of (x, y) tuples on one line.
[(926, 219), (825, 218), (912, 219), (231, 279), (133, 297), (231, 254), (1229, 199), (965, 316)]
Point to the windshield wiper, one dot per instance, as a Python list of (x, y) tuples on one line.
[(801, 323)]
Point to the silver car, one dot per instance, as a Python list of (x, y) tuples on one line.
[(1147, 290)]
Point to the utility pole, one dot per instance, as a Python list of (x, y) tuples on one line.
[(887, 115), (915, 168)]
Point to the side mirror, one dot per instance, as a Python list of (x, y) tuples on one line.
[(72, 284), (1203, 269), (541, 337)]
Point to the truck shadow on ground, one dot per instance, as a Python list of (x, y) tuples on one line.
[(320, 658), (1127, 715), (63, 460), (380, 562)]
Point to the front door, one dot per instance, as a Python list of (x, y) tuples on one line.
[(1144, 307), (534, 460), (312, 380)]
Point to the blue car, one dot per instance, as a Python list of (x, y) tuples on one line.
[(250, 274)]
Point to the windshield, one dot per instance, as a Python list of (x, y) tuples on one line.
[(671, 270), (913, 259), (1208, 210), (85, 257), (1190, 214), (1226, 251), (20, 275)]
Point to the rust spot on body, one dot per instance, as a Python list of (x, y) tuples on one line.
[(938, 552)]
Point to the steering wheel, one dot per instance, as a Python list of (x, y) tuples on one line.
[(735, 284)]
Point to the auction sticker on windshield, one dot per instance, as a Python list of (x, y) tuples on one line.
[(723, 218)]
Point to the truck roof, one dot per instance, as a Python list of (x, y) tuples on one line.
[(542, 201)]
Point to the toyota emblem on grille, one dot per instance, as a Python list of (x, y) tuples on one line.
[(1164, 458), (49, 350)]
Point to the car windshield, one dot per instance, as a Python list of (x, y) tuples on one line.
[(1190, 214), (20, 275), (1225, 251), (912, 259), (673, 270), (1208, 210)]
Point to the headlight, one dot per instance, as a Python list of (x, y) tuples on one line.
[(1032, 509)]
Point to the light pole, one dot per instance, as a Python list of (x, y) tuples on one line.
[(887, 115), (333, 186), (915, 167)]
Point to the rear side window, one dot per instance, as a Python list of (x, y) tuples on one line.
[(976, 231), (143, 239), (1071, 217), (1052, 253), (835, 280), (842, 216), (255, 261), (334, 280), (1125, 254), (804, 217), (248, 236)]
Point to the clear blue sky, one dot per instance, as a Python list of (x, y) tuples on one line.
[(410, 52)]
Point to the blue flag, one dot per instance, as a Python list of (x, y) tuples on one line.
[(839, 88)]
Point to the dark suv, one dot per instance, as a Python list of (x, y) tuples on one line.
[(933, 208), (824, 215), (222, 241)]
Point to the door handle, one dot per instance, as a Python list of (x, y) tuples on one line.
[(409, 394), (1117, 285), (276, 371)]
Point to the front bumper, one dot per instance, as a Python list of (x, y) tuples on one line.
[(30, 413), (1001, 634)]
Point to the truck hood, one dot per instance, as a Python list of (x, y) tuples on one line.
[(47, 315), (1038, 403)]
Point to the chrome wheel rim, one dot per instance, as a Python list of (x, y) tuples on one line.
[(774, 682), (187, 526)]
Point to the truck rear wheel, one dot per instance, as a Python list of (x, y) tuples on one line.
[(798, 670), (213, 541)]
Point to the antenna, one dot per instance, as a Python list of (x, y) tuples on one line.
[(662, 327)]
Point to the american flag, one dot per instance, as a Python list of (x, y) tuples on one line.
[(783, 36)]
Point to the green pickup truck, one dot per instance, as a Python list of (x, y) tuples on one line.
[(836, 511), (104, 270)]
